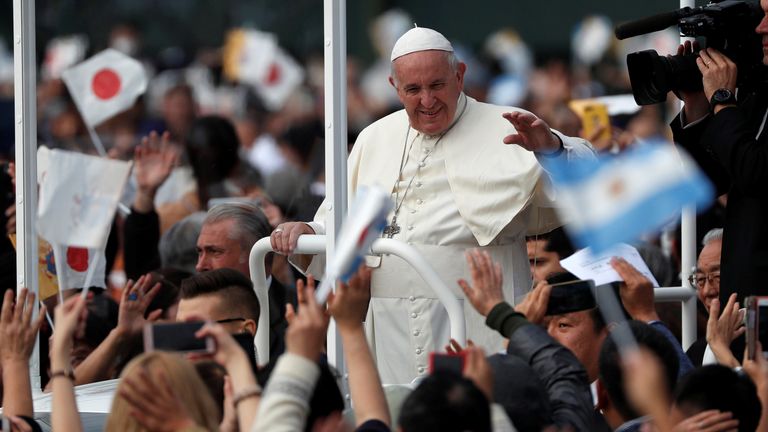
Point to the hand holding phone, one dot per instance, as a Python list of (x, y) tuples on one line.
[(756, 320)]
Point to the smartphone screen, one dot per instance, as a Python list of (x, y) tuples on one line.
[(762, 323), (453, 363), (571, 296), (178, 337)]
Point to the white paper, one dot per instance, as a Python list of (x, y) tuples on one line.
[(598, 268)]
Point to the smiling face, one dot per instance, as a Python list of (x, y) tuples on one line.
[(429, 88)]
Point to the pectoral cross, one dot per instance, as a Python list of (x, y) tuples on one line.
[(392, 229)]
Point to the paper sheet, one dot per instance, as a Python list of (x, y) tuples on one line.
[(598, 268)]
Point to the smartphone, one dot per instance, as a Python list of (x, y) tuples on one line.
[(179, 337), (593, 115), (756, 320), (5, 425), (447, 362), (571, 296)]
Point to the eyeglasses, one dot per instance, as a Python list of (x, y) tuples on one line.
[(229, 320), (698, 280)]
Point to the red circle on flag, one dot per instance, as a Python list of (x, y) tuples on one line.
[(106, 84), (77, 258)]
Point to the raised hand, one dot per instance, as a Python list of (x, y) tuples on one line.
[(17, 330), (307, 332), (531, 133), (486, 289), (134, 302), (723, 328), (534, 306), (70, 324), (478, 370), (636, 291), (349, 304), (154, 160)]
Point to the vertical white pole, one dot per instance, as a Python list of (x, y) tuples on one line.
[(688, 252), (335, 55), (25, 111)]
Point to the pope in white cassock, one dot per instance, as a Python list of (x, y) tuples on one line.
[(456, 185)]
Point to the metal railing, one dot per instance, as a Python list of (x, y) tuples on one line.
[(315, 244)]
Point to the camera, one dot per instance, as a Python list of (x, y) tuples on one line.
[(727, 25)]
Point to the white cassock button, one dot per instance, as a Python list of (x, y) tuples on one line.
[(414, 315), (421, 370), (413, 211), (416, 332), (412, 299), (419, 201), (418, 351), (419, 184), (422, 164), (410, 227)]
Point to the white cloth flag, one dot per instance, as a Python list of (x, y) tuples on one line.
[(78, 198), (105, 85)]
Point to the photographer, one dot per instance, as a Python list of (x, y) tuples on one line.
[(726, 137)]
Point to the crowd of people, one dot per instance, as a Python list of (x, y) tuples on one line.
[(469, 193)]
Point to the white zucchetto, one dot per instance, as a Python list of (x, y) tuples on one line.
[(420, 39)]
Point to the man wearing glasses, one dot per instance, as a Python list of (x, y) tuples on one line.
[(706, 276)]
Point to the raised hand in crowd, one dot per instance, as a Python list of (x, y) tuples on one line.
[(710, 420), (156, 406), (644, 385), (154, 160), (757, 369), (534, 306), (245, 392), (17, 340), (531, 133), (478, 370), (307, 331), (348, 307), (134, 301), (636, 291), (486, 289), (723, 328), (70, 324)]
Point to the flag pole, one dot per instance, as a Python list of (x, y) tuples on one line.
[(96, 140), (93, 261), (58, 259)]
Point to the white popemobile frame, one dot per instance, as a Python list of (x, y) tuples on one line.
[(25, 77)]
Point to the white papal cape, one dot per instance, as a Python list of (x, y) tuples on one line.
[(465, 190)]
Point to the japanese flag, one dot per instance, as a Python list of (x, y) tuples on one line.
[(254, 58), (78, 198), (105, 85)]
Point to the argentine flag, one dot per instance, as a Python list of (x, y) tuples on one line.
[(618, 198)]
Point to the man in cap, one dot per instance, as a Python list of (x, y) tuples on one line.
[(455, 186)]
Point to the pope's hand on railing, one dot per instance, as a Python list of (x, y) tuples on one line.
[(286, 235)]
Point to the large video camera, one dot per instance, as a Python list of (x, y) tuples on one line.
[(728, 26)]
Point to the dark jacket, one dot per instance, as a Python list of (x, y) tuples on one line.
[(561, 372), (725, 147)]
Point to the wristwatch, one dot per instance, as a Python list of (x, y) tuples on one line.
[(722, 96)]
